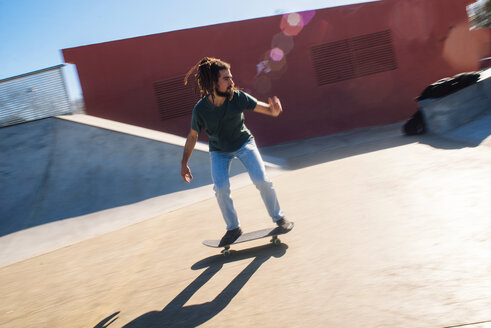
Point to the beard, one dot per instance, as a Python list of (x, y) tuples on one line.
[(225, 94)]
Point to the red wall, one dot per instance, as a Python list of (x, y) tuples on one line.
[(431, 40)]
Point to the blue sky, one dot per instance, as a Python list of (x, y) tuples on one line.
[(33, 32)]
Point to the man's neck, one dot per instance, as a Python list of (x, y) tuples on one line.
[(216, 100)]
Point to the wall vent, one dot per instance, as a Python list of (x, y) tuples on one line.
[(355, 57), (174, 99)]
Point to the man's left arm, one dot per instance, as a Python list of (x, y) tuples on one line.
[(272, 108)]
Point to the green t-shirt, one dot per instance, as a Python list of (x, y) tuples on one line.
[(224, 125)]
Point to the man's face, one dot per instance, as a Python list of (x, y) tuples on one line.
[(225, 83)]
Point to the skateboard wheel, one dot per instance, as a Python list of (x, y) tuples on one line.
[(276, 240), (226, 252)]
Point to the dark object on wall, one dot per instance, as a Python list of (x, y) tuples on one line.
[(449, 85), (415, 125)]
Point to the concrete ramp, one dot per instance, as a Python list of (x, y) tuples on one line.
[(445, 115), (54, 169), (390, 233)]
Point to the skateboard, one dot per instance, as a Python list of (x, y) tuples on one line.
[(248, 236)]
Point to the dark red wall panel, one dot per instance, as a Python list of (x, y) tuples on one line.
[(373, 59)]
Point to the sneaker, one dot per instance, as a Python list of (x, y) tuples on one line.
[(284, 224), (230, 237)]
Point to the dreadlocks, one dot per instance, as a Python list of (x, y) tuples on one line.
[(207, 74)]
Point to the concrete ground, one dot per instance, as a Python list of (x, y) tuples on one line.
[(390, 231)]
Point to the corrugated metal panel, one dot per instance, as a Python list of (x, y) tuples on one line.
[(175, 99), (33, 96), (351, 58)]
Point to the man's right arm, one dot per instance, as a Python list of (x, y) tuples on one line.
[(188, 150)]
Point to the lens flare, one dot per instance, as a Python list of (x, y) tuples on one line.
[(262, 85), (292, 24), (274, 62), (263, 67), (276, 54), (294, 19), (282, 41), (288, 29), (307, 16)]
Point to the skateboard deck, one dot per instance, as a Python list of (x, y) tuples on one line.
[(249, 236)]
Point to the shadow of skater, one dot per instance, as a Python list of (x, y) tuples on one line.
[(176, 314), (109, 320)]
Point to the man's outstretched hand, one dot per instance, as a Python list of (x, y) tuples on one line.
[(186, 173), (275, 106)]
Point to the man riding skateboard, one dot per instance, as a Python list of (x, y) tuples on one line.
[(220, 114)]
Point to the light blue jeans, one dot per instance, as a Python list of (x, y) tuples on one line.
[(249, 155)]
